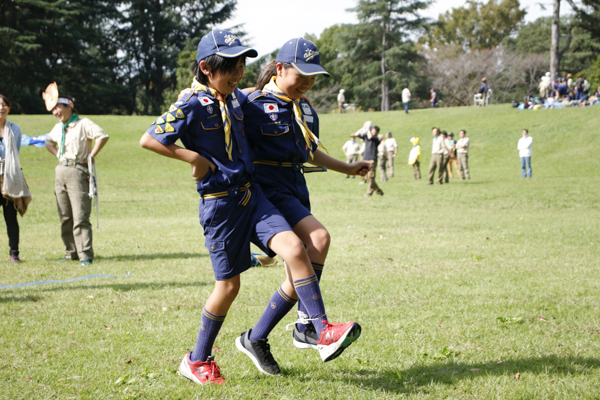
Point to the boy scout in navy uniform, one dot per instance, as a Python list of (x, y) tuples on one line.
[(233, 210)]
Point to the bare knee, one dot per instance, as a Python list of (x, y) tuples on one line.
[(321, 239), (228, 289)]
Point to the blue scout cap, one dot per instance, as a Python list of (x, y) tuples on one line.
[(224, 44), (303, 55)]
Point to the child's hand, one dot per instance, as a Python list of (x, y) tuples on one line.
[(200, 168), (360, 168)]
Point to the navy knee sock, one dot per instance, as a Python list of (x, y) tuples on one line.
[(279, 305), (209, 328), (309, 292), (301, 309)]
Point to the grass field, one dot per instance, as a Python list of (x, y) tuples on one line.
[(474, 290)]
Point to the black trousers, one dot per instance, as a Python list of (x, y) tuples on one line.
[(12, 225)]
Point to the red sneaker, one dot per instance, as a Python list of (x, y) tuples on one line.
[(14, 259), (335, 338), (202, 372)]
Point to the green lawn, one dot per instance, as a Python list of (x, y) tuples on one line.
[(458, 287)]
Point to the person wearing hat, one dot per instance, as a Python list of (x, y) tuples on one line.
[(283, 137), (341, 100), (452, 162), (351, 150), (71, 142), (414, 157), (483, 90)]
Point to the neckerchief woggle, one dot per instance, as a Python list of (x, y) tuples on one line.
[(196, 86), (272, 88), (64, 126)]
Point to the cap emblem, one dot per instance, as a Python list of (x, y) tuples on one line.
[(310, 54), (229, 39)]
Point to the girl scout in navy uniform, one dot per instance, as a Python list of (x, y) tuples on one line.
[(283, 136), (233, 210)]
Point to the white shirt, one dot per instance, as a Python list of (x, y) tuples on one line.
[(390, 144), (351, 147), (464, 143), (437, 147), (381, 149), (78, 139), (341, 98), (524, 146), (405, 95)]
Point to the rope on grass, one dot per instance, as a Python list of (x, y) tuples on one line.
[(56, 281)]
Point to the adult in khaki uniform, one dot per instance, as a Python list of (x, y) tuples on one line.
[(382, 158), (447, 146), (351, 150), (391, 153), (370, 155), (71, 142), (462, 152), (437, 157)]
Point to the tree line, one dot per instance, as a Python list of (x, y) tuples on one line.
[(126, 57)]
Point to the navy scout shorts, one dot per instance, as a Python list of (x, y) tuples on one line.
[(286, 189), (229, 228)]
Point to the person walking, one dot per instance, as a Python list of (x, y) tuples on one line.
[(524, 147), (437, 157), (351, 150), (462, 154), (433, 98), (71, 142), (15, 193), (406, 98), (370, 155), (341, 100), (391, 147)]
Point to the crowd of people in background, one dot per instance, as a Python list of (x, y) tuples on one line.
[(562, 92)]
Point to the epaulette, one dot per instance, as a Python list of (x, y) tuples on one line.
[(255, 95)]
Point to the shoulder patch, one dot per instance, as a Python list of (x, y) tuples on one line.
[(159, 129), (169, 128), (173, 108), (170, 117), (160, 120), (179, 113)]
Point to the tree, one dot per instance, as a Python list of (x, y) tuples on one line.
[(154, 32), (587, 16), (389, 20), (555, 53), (476, 26)]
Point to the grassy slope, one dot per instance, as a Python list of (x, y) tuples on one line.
[(458, 287)]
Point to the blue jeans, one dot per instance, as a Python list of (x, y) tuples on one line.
[(406, 107), (526, 163)]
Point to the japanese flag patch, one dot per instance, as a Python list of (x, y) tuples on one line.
[(205, 100), (270, 108)]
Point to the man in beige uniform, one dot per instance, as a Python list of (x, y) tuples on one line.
[(462, 152), (391, 147), (71, 142), (437, 157), (351, 150)]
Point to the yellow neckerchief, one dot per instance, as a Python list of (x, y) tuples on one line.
[(196, 86), (272, 88)]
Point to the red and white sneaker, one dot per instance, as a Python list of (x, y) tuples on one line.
[(202, 372), (335, 338)]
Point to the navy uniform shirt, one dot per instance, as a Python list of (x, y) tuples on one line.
[(196, 121), (272, 130)]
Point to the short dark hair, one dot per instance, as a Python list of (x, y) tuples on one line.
[(3, 97), (376, 128), (526, 131), (462, 130), (216, 64)]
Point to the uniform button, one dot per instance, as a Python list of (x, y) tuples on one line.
[(240, 151), (212, 247), (298, 140)]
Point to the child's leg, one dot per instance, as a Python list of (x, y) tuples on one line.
[(213, 315), (317, 241)]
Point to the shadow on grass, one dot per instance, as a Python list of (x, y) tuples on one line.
[(136, 257), (117, 287), (417, 378)]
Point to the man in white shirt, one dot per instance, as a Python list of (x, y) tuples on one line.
[(462, 154), (352, 150), (524, 147), (437, 157), (391, 148), (406, 98), (341, 100)]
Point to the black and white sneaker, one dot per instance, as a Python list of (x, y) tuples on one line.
[(259, 352), (307, 339)]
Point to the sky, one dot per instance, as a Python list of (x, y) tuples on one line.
[(317, 15)]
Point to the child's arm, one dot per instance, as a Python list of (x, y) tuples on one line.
[(200, 165), (321, 159)]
